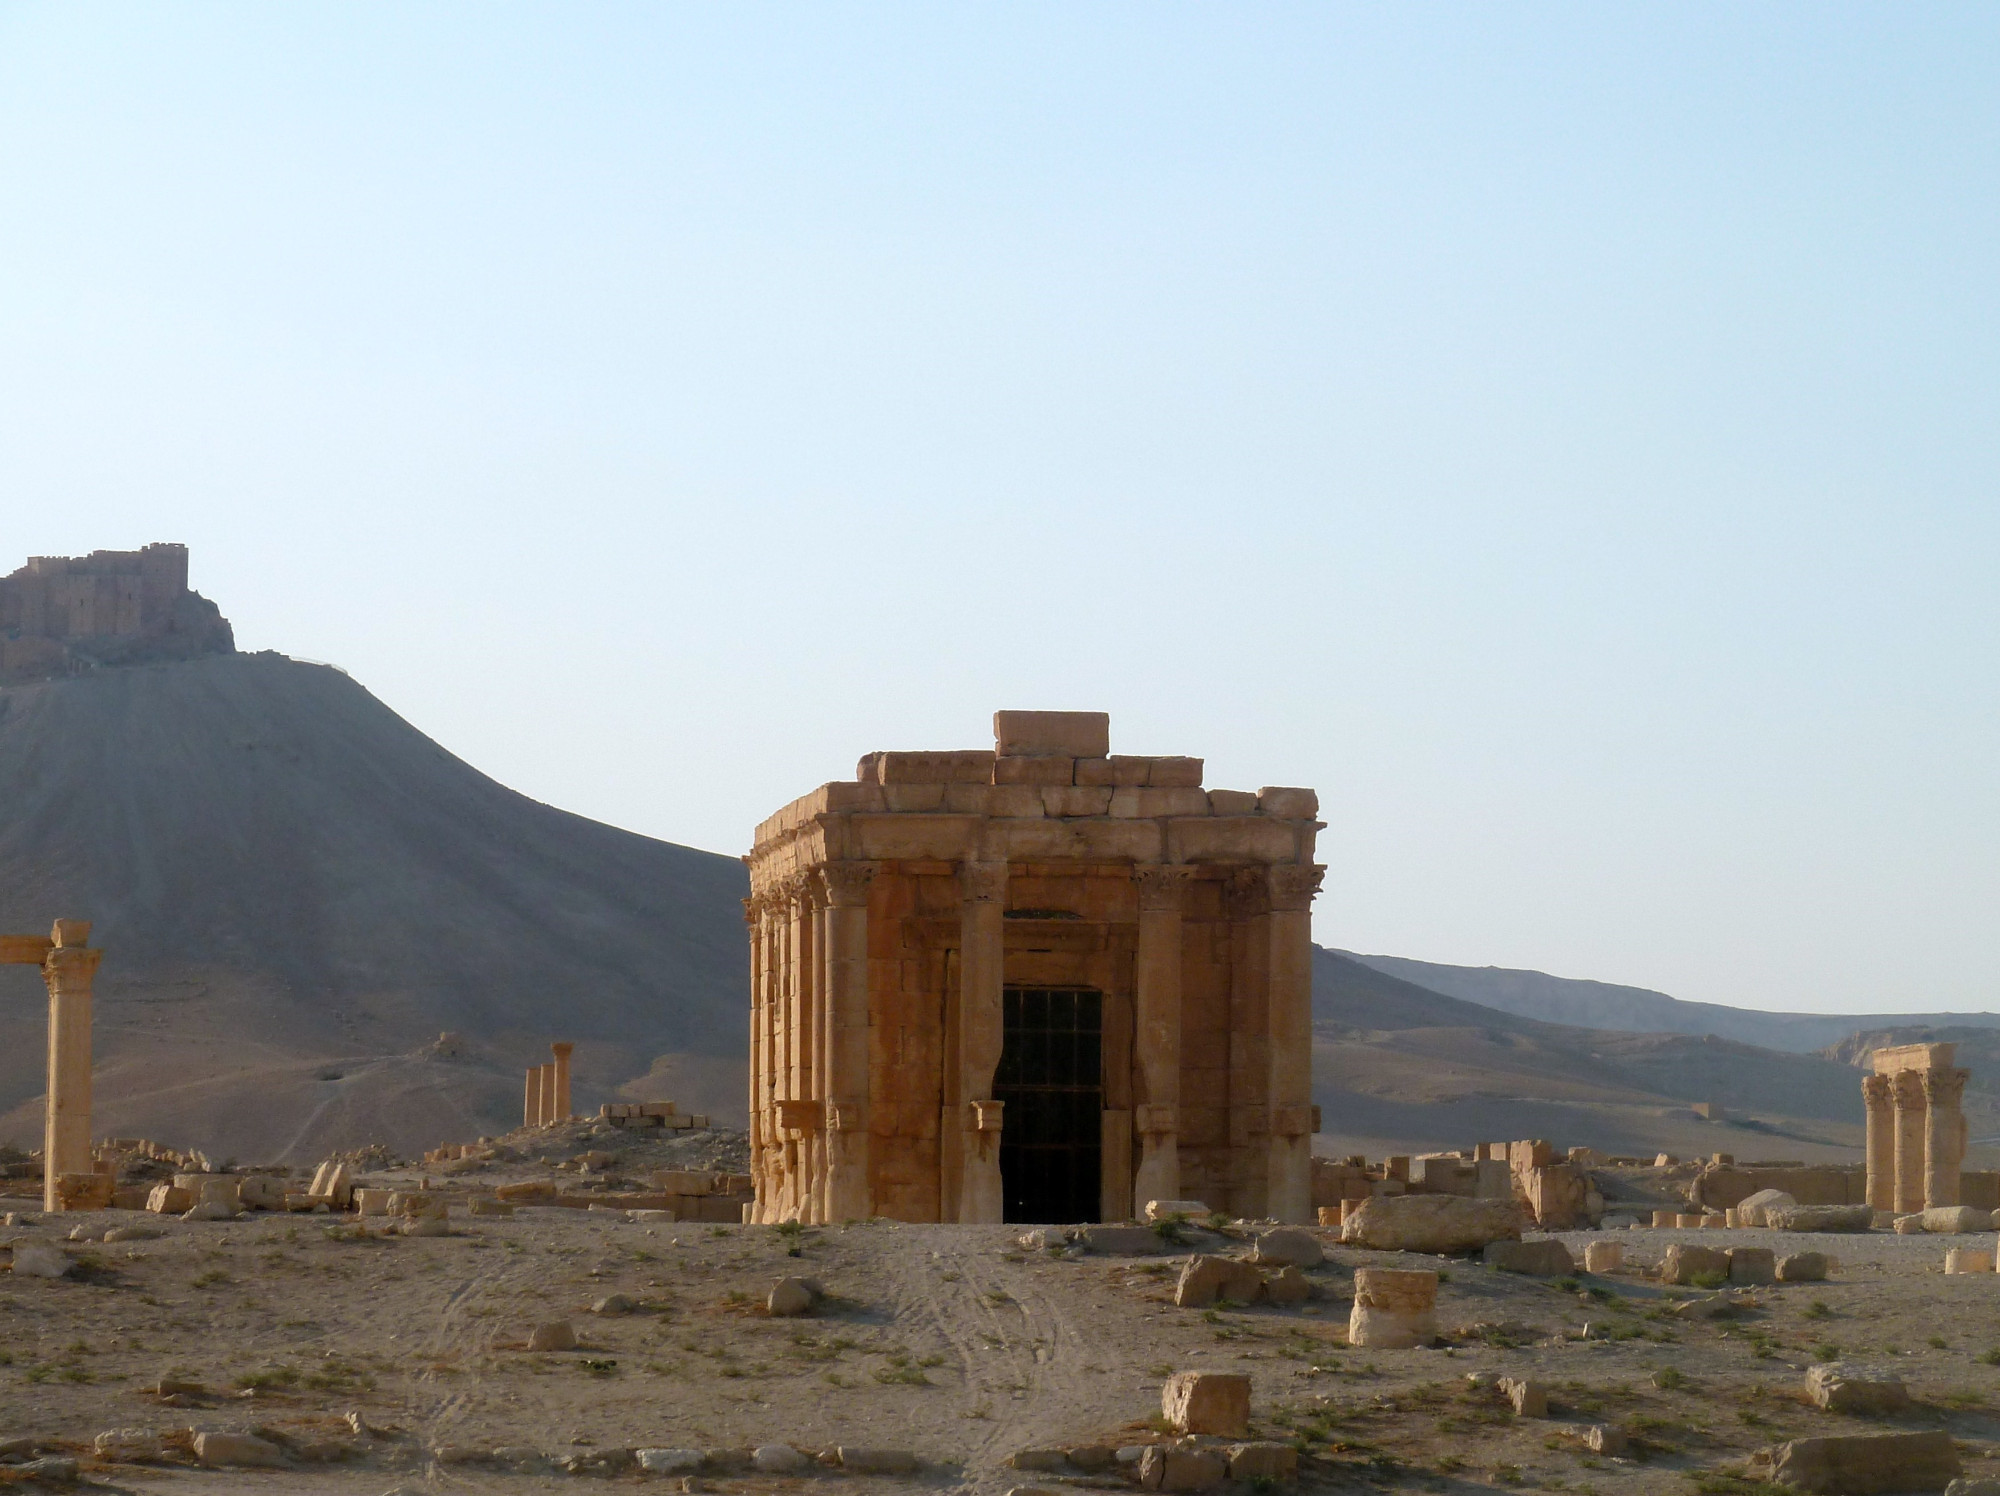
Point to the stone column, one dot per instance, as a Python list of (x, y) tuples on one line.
[(68, 972), (548, 1094), (982, 974), (1157, 1033), (531, 1102), (1288, 1176), (1908, 1088), (754, 925), (561, 1104), (1944, 1135), (1876, 1095), (849, 1196)]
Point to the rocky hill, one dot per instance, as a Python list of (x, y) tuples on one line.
[(297, 891)]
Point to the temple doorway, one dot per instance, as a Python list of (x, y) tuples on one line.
[(1051, 1079)]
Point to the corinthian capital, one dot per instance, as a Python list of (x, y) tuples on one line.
[(69, 969), (846, 883), (1909, 1088), (1875, 1090), (1944, 1087), (1294, 885), (1161, 886)]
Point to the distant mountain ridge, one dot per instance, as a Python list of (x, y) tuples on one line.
[(1606, 1005)]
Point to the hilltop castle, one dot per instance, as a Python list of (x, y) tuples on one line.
[(62, 615)]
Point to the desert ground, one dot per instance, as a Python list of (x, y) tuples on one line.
[(385, 1362)]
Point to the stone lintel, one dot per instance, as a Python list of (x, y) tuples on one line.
[(1902, 1057), (1059, 734), (24, 950)]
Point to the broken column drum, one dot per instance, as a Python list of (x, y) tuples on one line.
[(1040, 983)]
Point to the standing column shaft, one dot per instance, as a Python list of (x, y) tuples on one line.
[(1877, 1097), (1908, 1086), (548, 1094), (68, 972), (562, 1107), (753, 920), (1288, 1176), (531, 1105), (1157, 1034), (849, 1196), (982, 977), (1944, 1136)]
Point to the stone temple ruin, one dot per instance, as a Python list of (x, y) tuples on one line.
[(1032, 983), (69, 969), (1916, 1127)]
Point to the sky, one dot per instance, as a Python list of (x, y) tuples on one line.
[(1565, 436)]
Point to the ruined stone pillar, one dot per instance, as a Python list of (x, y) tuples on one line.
[(753, 919), (982, 975), (848, 1194), (68, 971), (1876, 1095), (1288, 1176), (548, 1090), (1157, 1033), (1908, 1087), (531, 1098), (560, 1103), (1944, 1135)]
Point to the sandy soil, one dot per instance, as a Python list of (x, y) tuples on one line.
[(953, 1342)]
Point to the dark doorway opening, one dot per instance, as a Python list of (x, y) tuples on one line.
[(1051, 1079)]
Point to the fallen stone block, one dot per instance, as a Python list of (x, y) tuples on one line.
[(129, 1446), (1861, 1464), (1165, 1210), (1431, 1223), (557, 1335), (208, 1210), (1802, 1267), (876, 1461), (54, 1469), (1850, 1387), (669, 1461), (1394, 1308), (1546, 1258), (133, 1233), (1714, 1306), (1041, 1461), (1205, 1279), (1604, 1257), (600, 1462), (236, 1449), (1956, 1220), (1964, 1486), (1207, 1402), (1752, 1265), (1529, 1399), (615, 1303), (40, 1259), (1665, 1218), (372, 1202), (1122, 1241), (1288, 1246), (1263, 1460), (790, 1297), (778, 1459), (1750, 1210), (1820, 1218), (1163, 1469), (1602, 1438), (1908, 1225), (1288, 1285), (1093, 1457), (169, 1199), (1968, 1260), (1684, 1264)]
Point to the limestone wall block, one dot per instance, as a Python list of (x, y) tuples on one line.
[(1070, 734), (1014, 800), (1234, 839), (1604, 1257), (1862, 1462), (1129, 803), (947, 838), (1076, 800), (969, 799), (1174, 773), (904, 798), (1231, 803), (1118, 769), (1287, 804), (1037, 770)]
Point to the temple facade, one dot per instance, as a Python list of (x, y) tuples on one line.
[(1916, 1127), (1037, 983)]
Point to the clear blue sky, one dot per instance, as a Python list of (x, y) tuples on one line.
[(1565, 436)]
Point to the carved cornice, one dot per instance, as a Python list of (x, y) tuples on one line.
[(845, 884), (1161, 886), (1294, 885), (982, 882)]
